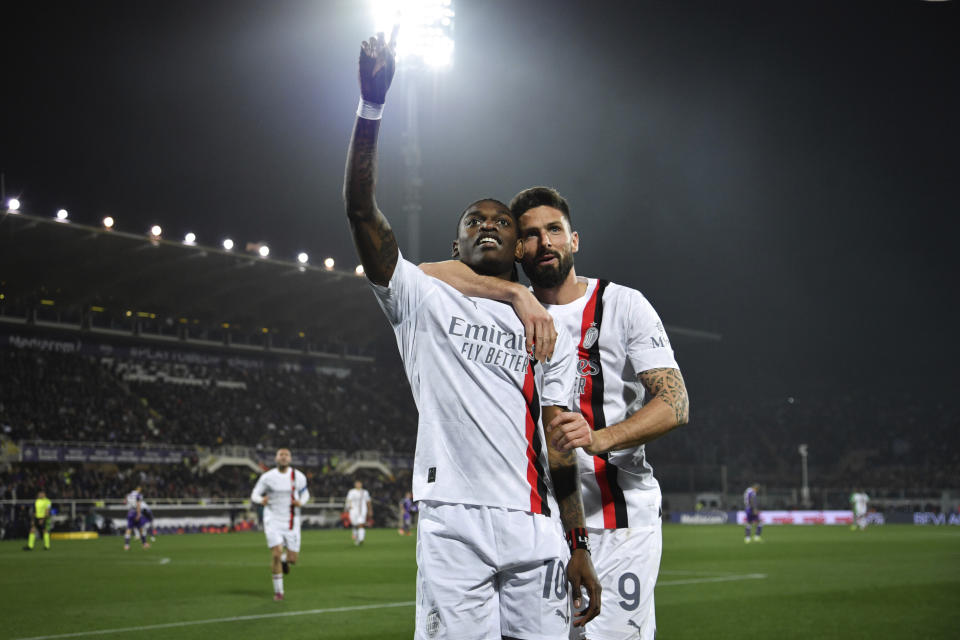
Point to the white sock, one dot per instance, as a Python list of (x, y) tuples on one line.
[(283, 557), (361, 534), (278, 583), (354, 533)]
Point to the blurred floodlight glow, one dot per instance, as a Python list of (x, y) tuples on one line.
[(302, 258), (108, 222), (13, 205), (62, 215), (155, 231), (228, 244), (426, 29), (190, 238), (328, 263), (264, 251), (359, 270)]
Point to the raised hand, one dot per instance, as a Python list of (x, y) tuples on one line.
[(378, 62), (541, 334)]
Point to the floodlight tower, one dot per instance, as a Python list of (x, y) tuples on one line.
[(424, 42)]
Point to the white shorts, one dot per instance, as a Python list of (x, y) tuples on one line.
[(488, 572), (627, 562), (283, 534), (358, 518)]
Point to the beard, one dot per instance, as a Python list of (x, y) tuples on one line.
[(549, 276)]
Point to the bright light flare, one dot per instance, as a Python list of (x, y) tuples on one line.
[(13, 205), (228, 244), (190, 238), (62, 215), (108, 222), (426, 29), (302, 258), (359, 270), (328, 263), (264, 251), (156, 231)]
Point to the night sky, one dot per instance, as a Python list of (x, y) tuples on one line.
[(784, 176)]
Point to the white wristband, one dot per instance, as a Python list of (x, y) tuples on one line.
[(369, 110)]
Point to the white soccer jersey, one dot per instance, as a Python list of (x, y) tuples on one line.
[(357, 500), (280, 489), (618, 335), (133, 498), (479, 439), (860, 502)]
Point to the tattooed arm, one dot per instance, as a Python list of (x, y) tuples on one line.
[(667, 408), (566, 485), (372, 235)]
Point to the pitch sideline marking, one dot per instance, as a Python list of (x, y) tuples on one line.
[(164, 560), (745, 576), (173, 625)]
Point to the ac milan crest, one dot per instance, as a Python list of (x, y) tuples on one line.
[(590, 337)]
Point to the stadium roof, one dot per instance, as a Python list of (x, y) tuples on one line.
[(115, 278)]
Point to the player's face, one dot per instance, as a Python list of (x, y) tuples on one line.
[(283, 458), (548, 246), (487, 239)]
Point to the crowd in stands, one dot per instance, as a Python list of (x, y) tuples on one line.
[(854, 438), (58, 396)]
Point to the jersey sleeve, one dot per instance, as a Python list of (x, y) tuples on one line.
[(560, 374), (303, 493), (259, 489), (648, 346), (401, 297)]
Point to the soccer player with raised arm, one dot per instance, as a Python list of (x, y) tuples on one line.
[(282, 491), (490, 552), (41, 514), (134, 502), (630, 391), (359, 506)]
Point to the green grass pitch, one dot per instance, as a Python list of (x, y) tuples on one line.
[(802, 582)]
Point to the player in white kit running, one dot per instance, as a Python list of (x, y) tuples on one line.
[(630, 391), (490, 552), (360, 508), (282, 491)]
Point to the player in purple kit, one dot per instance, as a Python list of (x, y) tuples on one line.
[(751, 507), (134, 502), (409, 508)]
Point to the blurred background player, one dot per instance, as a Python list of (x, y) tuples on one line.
[(146, 522), (752, 509), (407, 508), (282, 491), (858, 502), (360, 508), (134, 502), (41, 517)]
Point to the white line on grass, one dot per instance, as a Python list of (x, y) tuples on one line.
[(745, 576), (173, 625), (164, 560)]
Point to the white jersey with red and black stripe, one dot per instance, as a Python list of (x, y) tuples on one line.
[(480, 438), (281, 488), (618, 335)]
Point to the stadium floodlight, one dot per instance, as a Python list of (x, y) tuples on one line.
[(228, 244), (62, 215), (156, 231), (426, 29), (108, 222), (13, 205), (359, 270), (328, 263), (264, 251), (190, 238), (302, 257)]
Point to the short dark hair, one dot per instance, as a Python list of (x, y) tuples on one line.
[(538, 197), (476, 202)]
